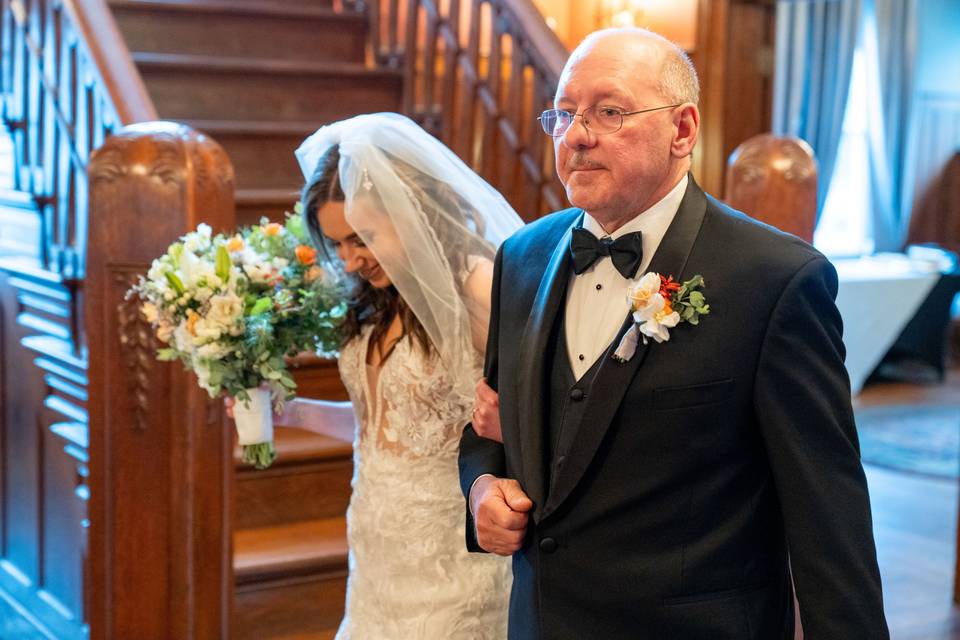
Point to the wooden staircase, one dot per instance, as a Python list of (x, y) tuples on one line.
[(290, 549), (259, 77)]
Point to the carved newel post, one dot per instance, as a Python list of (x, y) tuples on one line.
[(160, 457)]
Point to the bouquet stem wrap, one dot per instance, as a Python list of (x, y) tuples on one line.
[(254, 418)]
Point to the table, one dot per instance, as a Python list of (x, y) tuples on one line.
[(878, 297)]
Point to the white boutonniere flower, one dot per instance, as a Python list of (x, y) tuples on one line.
[(659, 304)]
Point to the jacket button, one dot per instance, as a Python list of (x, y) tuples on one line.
[(576, 395), (548, 545)]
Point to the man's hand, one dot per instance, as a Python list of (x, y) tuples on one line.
[(486, 412), (500, 512)]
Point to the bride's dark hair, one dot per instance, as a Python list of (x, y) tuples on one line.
[(367, 304)]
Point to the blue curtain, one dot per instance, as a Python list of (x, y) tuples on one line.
[(890, 28), (815, 42)]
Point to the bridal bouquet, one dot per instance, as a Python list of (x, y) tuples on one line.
[(231, 307)]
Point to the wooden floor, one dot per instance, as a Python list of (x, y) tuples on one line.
[(914, 520)]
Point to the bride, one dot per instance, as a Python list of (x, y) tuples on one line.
[(418, 230)]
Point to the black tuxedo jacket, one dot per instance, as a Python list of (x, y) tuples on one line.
[(706, 467)]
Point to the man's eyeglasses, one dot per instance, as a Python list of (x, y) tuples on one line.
[(596, 119)]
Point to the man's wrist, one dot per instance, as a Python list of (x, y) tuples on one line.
[(474, 486)]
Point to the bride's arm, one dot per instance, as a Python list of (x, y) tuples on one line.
[(476, 289), (326, 417)]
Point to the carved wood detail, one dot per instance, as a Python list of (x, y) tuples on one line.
[(138, 345)]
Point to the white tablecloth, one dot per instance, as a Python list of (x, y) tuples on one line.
[(878, 296)]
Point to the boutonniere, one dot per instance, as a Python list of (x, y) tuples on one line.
[(659, 304)]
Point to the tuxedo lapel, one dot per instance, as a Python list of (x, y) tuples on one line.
[(613, 378), (532, 379)]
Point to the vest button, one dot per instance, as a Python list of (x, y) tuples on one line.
[(548, 545), (576, 395)]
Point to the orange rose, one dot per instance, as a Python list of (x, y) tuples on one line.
[(306, 255), (235, 244), (272, 229)]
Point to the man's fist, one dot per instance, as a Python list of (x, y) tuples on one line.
[(500, 512)]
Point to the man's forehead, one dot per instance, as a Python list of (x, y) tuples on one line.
[(605, 90)]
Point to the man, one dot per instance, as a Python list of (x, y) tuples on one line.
[(668, 492)]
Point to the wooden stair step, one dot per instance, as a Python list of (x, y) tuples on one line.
[(291, 580), (189, 87), (296, 445), (309, 480), (261, 152), (288, 550), (269, 29)]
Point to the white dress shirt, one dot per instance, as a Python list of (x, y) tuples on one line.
[(597, 299)]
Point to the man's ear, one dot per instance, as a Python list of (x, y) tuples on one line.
[(686, 122)]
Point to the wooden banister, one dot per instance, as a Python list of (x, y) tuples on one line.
[(68, 82), (477, 73), (119, 78)]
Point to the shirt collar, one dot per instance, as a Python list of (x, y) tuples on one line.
[(656, 217)]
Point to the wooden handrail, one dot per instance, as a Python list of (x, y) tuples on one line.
[(111, 60), (476, 74), (68, 82)]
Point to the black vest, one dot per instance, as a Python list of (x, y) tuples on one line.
[(567, 401)]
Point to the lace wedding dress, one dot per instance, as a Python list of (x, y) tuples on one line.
[(411, 577)]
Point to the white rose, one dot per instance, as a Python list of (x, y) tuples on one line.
[(225, 309), (207, 330), (656, 319)]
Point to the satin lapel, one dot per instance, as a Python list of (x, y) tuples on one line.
[(532, 379), (613, 378)]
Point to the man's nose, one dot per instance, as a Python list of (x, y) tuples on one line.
[(577, 136)]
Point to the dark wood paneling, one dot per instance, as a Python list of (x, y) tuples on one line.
[(734, 58)]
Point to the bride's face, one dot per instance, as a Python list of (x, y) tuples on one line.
[(356, 255)]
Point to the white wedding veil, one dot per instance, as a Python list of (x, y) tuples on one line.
[(428, 219)]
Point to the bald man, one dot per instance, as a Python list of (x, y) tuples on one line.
[(668, 489)]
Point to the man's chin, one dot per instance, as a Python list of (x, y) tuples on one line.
[(583, 198)]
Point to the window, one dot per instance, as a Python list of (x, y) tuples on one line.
[(845, 227)]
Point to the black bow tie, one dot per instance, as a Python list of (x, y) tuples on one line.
[(626, 252)]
